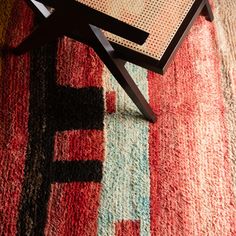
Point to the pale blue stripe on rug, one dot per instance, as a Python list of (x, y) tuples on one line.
[(126, 178)]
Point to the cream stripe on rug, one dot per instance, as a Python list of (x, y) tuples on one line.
[(225, 21)]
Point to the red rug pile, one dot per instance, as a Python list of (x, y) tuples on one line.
[(76, 157)]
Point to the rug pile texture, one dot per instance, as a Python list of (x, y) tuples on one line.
[(77, 158)]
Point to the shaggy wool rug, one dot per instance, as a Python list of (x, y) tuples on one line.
[(77, 158)]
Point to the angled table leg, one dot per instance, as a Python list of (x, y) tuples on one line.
[(58, 24), (207, 12), (116, 66)]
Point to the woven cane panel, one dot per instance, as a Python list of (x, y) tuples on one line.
[(160, 18)]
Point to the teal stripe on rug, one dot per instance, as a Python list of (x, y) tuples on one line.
[(126, 177)]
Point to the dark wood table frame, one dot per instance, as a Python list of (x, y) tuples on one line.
[(64, 21)]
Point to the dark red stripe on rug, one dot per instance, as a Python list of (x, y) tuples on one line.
[(78, 66), (110, 102), (76, 204), (79, 145), (73, 209), (14, 93), (127, 228)]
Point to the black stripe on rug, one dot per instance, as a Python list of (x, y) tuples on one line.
[(76, 171), (53, 108)]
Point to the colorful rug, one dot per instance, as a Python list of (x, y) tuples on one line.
[(76, 157)]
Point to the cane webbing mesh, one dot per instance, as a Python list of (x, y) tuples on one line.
[(160, 18)]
